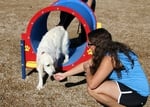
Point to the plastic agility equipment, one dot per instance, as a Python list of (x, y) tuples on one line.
[(37, 27)]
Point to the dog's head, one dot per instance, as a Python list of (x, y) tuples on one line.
[(46, 63)]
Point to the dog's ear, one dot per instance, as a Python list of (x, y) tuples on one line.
[(52, 68), (40, 67), (51, 60)]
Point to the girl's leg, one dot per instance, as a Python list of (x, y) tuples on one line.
[(107, 93), (65, 19)]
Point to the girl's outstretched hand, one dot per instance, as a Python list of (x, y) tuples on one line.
[(59, 76)]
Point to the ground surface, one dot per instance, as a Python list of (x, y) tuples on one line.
[(128, 20)]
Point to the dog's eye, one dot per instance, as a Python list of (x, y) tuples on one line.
[(48, 65)]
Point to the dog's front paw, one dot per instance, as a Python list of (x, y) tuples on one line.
[(39, 87), (66, 59)]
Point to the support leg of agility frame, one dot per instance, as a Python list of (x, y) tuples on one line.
[(23, 66)]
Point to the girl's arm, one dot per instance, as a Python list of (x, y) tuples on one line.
[(101, 74), (76, 70), (89, 3)]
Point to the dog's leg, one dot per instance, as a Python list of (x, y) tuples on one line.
[(66, 58), (40, 73), (65, 47)]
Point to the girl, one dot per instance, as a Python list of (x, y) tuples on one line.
[(114, 75)]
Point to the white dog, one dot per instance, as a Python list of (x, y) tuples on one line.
[(53, 44)]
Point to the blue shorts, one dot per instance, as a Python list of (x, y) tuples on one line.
[(129, 97)]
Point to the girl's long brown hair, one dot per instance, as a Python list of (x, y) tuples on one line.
[(102, 39)]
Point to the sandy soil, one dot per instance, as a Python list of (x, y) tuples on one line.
[(128, 20)]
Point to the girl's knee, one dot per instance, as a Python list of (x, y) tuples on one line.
[(90, 91), (105, 88), (93, 92)]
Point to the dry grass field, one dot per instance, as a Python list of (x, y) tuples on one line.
[(127, 20)]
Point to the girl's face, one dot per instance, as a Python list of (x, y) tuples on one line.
[(91, 46)]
